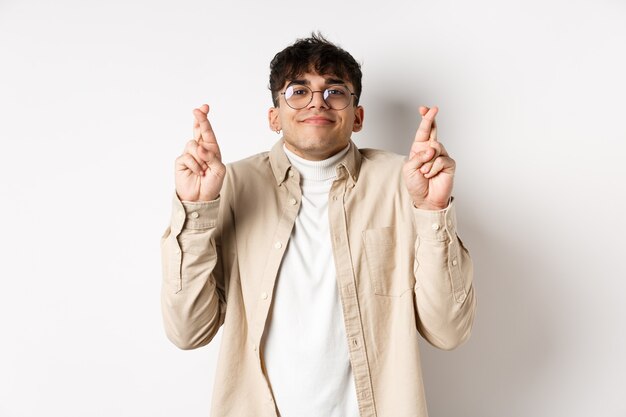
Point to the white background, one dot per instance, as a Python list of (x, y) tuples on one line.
[(95, 105)]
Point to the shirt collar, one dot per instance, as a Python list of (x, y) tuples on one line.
[(280, 163)]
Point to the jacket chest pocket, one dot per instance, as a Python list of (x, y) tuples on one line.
[(389, 261)]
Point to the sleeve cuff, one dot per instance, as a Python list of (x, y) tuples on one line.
[(436, 224), (197, 215)]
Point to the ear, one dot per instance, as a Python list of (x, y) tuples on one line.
[(273, 119), (358, 119)]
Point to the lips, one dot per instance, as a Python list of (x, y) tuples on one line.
[(317, 120)]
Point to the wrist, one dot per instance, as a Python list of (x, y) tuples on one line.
[(427, 205)]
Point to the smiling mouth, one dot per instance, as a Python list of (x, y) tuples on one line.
[(317, 121)]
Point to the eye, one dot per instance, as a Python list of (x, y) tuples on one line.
[(295, 91), (299, 90), (336, 91)]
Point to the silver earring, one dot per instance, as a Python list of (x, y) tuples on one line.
[(278, 131)]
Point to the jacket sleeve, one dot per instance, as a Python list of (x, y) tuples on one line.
[(192, 296), (444, 294)]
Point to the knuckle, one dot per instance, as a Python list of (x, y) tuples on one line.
[(190, 145), (184, 161), (191, 160)]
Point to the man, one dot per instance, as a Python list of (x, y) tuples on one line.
[(321, 260)]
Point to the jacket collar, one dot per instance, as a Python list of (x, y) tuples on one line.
[(280, 163)]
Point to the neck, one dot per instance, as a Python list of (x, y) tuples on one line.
[(316, 170)]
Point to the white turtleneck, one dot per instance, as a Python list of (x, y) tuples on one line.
[(306, 350)]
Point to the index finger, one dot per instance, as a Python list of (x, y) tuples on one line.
[(433, 127), (196, 126), (433, 131), (427, 125), (206, 131)]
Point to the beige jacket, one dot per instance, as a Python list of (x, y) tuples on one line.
[(400, 271)]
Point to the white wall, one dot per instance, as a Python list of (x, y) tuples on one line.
[(95, 105)]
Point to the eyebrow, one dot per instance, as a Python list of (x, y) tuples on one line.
[(328, 81)]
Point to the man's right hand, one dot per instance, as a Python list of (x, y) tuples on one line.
[(199, 171)]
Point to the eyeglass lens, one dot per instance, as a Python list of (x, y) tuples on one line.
[(337, 97)]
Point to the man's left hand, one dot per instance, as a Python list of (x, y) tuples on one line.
[(429, 172)]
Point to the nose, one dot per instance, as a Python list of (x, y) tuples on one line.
[(318, 100)]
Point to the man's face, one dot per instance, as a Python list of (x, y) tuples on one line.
[(316, 132)]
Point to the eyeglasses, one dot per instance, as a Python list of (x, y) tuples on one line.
[(336, 97)]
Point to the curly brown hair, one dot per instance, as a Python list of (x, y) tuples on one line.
[(313, 54)]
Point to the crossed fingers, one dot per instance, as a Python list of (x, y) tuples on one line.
[(201, 151), (432, 156), (427, 129), (203, 131), (425, 143)]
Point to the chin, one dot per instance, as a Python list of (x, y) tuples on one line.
[(316, 145)]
